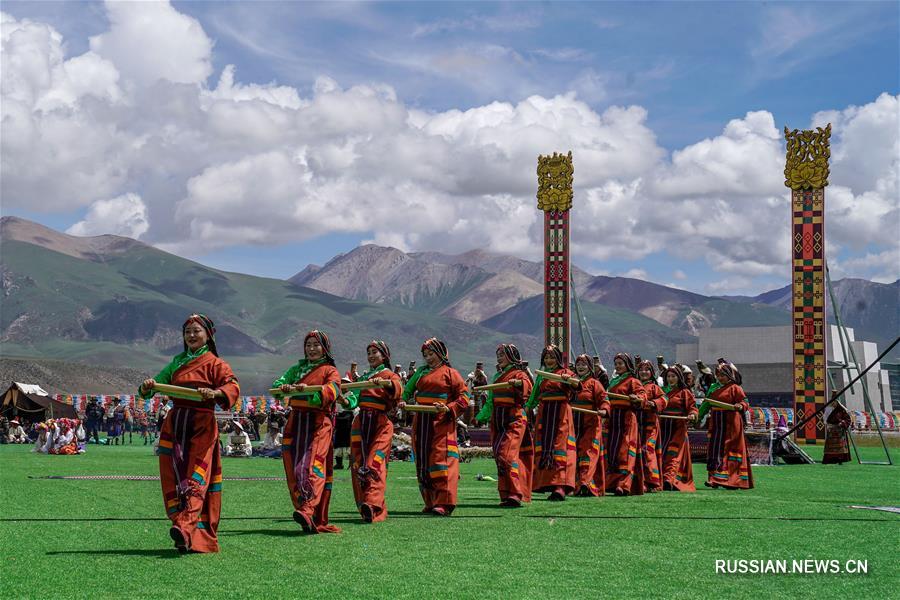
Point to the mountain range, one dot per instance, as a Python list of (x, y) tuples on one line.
[(117, 302)]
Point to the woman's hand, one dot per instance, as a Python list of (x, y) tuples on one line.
[(401, 405), (286, 388), (208, 393), (441, 408), (147, 385)]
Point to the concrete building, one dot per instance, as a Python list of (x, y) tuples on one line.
[(764, 356), (894, 378)]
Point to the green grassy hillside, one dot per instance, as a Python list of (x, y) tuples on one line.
[(126, 309), (614, 329)]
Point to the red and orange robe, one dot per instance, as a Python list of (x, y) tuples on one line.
[(434, 437), (837, 444), (370, 443), (554, 448), (677, 471), (649, 427), (624, 468), (190, 465), (727, 462), (307, 445), (511, 438), (591, 465)]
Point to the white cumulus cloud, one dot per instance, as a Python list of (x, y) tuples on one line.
[(191, 167), (123, 215)]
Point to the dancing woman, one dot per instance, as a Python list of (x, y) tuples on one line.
[(727, 462), (510, 433), (624, 470), (590, 478), (681, 408), (434, 434), (554, 447), (372, 432), (649, 427), (307, 447), (190, 466)]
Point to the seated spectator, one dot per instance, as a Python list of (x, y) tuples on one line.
[(40, 444), (16, 434), (238, 441)]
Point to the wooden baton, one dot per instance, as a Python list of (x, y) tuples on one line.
[(421, 408), (573, 381), (505, 385), (586, 410), (718, 404), (177, 391), (370, 384)]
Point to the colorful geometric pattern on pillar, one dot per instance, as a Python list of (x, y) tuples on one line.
[(556, 280), (806, 173), (554, 195)]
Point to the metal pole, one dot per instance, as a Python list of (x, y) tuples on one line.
[(865, 386), (840, 393)]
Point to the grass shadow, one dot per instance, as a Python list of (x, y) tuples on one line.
[(150, 552), (293, 532)]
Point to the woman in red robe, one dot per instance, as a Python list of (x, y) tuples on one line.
[(510, 434), (649, 427), (837, 426), (624, 470), (434, 434), (590, 476), (677, 472), (372, 432), (554, 448), (727, 461), (307, 445), (190, 466)]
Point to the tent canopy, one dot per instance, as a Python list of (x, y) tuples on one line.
[(32, 403)]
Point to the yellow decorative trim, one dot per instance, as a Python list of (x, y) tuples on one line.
[(555, 182), (806, 164)]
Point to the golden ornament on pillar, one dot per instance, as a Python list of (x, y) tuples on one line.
[(555, 182), (808, 151)]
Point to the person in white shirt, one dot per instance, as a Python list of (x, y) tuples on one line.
[(16, 433), (238, 441)]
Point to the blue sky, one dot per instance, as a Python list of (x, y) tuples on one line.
[(692, 68)]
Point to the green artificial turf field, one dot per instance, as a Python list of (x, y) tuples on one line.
[(110, 539)]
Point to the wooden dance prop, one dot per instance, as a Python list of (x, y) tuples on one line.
[(421, 408), (177, 391), (506, 385), (573, 381), (717, 404)]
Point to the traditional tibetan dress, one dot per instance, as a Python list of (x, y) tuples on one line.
[(591, 464), (624, 468), (370, 440), (510, 435), (434, 436), (190, 464), (837, 445), (677, 471), (651, 457), (554, 447), (307, 448), (727, 462)]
